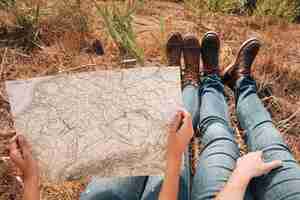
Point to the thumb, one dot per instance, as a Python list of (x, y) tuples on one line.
[(272, 165), (24, 146), (176, 122), (187, 127), (186, 121), (15, 155)]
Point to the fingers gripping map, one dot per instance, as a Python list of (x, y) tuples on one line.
[(103, 123)]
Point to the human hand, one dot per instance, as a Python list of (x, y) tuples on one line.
[(180, 134), (252, 165), (20, 154)]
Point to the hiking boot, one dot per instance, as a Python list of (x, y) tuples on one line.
[(191, 54), (174, 49), (243, 62), (210, 48)]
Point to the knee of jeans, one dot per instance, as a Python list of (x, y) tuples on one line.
[(99, 189), (93, 194), (92, 191), (265, 137), (212, 121), (218, 130)]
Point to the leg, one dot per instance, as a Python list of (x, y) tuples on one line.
[(115, 188), (190, 95), (261, 135), (220, 151)]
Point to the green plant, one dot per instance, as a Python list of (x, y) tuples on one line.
[(286, 9), (199, 7), (161, 39), (25, 32), (4, 4), (226, 6), (296, 17), (71, 16), (118, 21)]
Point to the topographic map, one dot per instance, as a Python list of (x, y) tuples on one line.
[(103, 123)]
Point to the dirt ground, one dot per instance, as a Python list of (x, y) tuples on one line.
[(277, 70)]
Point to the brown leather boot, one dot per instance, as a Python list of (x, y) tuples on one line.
[(243, 62), (191, 54), (210, 48), (174, 49)]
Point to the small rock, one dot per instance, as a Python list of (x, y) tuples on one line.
[(98, 48)]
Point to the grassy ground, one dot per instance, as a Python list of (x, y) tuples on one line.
[(61, 40)]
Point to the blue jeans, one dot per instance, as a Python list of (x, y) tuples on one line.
[(145, 188), (261, 135), (220, 151)]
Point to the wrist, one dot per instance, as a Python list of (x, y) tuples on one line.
[(33, 179), (174, 163), (244, 178), (174, 158)]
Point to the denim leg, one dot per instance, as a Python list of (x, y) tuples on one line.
[(220, 150), (261, 135), (190, 95), (114, 188)]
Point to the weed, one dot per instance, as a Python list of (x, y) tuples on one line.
[(25, 32), (71, 16), (200, 7), (226, 6), (4, 4), (161, 39), (118, 21), (286, 9)]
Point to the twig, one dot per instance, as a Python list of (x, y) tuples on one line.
[(289, 128), (22, 54), (2, 63), (7, 134), (5, 159), (3, 98), (285, 121), (76, 68)]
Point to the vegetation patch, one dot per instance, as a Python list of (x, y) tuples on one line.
[(118, 21)]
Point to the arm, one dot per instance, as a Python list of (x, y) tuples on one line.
[(171, 183), (235, 188), (21, 156), (180, 134), (31, 190), (249, 166)]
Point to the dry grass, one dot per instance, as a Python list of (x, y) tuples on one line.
[(62, 50)]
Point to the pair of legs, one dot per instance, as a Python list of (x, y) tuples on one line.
[(220, 151)]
